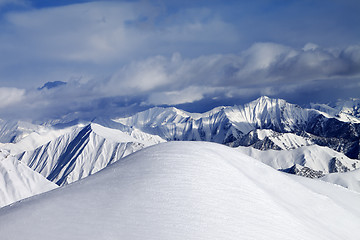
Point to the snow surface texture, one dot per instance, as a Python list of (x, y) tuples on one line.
[(81, 153), (187, 190), (17, 181), (314, 157)]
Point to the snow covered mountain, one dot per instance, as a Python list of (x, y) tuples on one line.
[(13, 131), (264, 139), (67, 150), (82, 152), (187, 190), (232, 125), (223, 124), (350, 180), (310, 161), (17, 181), (345, 110)]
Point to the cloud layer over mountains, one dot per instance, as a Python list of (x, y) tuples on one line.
[(118, 54)]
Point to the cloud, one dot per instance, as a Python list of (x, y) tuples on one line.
[(22, 3), (186, 95), (263, 69), (95, 38), (120, 54), (10, 96)]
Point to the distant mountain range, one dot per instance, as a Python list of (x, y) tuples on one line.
[(312, 142), (256, 124)]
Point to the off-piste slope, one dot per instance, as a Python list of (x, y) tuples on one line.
[(186, 190), (18, 181)]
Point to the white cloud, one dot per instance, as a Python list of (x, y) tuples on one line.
[(10, 96), (138, 77), (310, 47), (81, 32), (260, 56), (117, 53), (187, 95)]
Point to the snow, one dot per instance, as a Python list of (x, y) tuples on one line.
[(36, 139), (224, 123), (315, 157), (265, 112), (221, 122), (80, 153), (346, 111), (284, 141), (118, 136), (187, 190), (17, 181), (350, 180), (14, 131)]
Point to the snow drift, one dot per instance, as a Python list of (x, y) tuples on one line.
[(187, 190)]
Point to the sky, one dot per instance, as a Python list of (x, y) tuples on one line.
[(117, 57)]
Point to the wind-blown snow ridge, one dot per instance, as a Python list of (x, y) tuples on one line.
[(187, 190)]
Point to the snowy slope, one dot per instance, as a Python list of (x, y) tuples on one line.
[(348, 111), (13, 131), (264, 139), (35, 139), (314, 157), (350, 180), (17, 181), (80, 153), (130, 130), (186, 190)]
